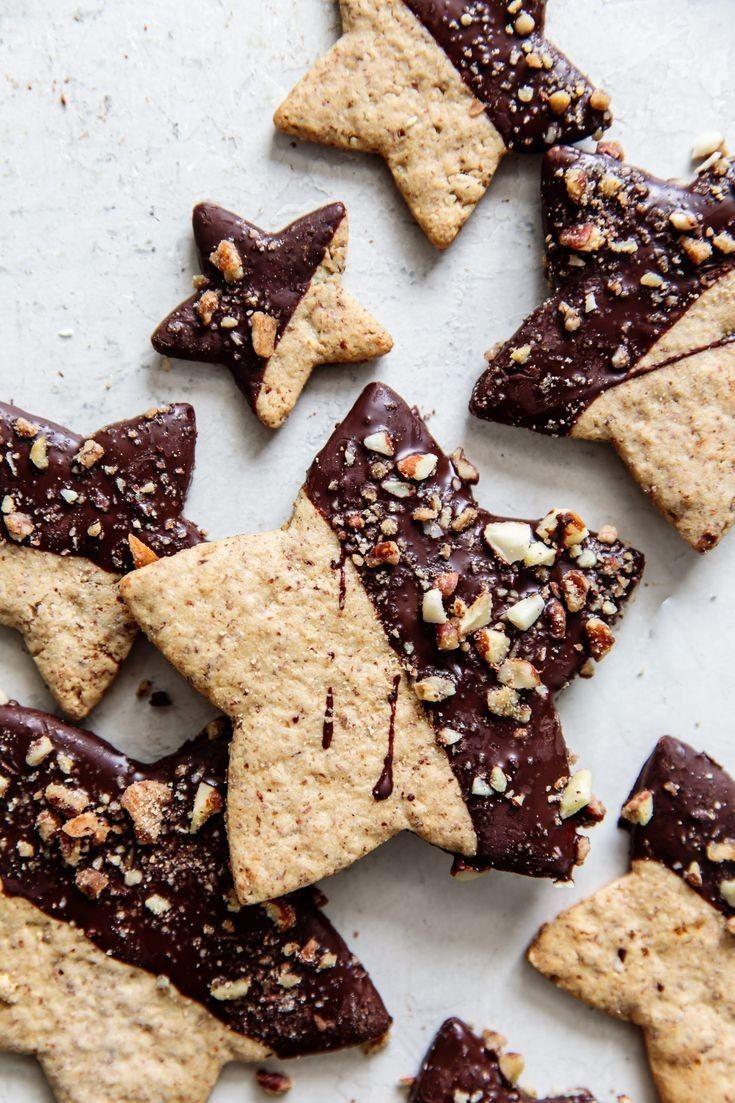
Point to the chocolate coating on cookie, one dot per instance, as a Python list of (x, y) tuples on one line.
[(462, 1066), (250, 285), (85, 496), (681, 813), (136, 857), (532, 93), (493, 640), (627, 255)]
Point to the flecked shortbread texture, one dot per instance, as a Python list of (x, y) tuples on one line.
[(72, 620), (104, 1031), (650, 950), (328, 326), (267, 603), (387, 88)]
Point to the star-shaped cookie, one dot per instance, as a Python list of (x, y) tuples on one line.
[(657, 947), (442, 89), (271, 306), (390, 660), (460, 1066), (635, 346), (126, 965), (77, 512)]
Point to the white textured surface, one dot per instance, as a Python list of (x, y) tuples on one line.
[(171, 102)]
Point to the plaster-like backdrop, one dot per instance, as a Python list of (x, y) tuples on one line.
[(114, 119)]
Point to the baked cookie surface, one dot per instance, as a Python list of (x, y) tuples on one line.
[(390, 660)]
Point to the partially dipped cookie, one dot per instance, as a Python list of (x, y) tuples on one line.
[(126, 965), (635, 345), (271, 306), (656, 947), (443, 89), (390, 660), (77, 513), (461, 1067)]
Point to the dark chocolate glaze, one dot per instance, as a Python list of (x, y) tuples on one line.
[(277, 268), (693, 810), (620, 319), (328, 725), (137, 486), (461, 1062), (299, 1001), (519, 830), (497, 66), (384, 785)]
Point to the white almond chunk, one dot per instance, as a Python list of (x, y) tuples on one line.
[(510, 540), (432, 608), (682, 220), (493, 645), (230, 989), (39, 750), (586, 559), (133, 877), (39, 453), (70, 496), (498, 780), (434, 688), (480, 788), (397, 488), (573, 531), (157, 904), (511, 1065), (418, 466), (448, 737), (526, 612), (4, 784), (708, 142), (504, 701), (639, 808), (207, 803), (539, 555), (379, 442), (577, 794), (727, 892), (519, 673), (722, 852), (478, 614)]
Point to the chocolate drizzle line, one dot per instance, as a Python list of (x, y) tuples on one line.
[(384, 785), (277, 271), (459, 1064), (622, 273), (168, 907), (515, 75), (520, 829), (328, 725), (66, 501), (693, 816)]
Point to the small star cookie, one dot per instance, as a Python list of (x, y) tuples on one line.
[(126, 966), (635, 346), (442, 89), (461, 1067), (656, 947), (390, 660), (271, 306), (77, 512)]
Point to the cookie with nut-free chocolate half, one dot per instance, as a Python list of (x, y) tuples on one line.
[(635, 346), (461, 1066), (442, 89), (657, 947), (126, 965), (390, 660), (77, 513), (271, 306)]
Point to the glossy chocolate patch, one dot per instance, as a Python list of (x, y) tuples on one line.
[(85, 496), (136, 857), (248, 294), (407, 535), (532, 93), (627, 255), (690, 800), (462, 1066)]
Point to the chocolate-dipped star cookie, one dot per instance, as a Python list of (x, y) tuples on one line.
[(126, 966), (390, 660), (635, 345), (77, 512), (460, 1066), (271, 306), (442, 89), (657, 946)]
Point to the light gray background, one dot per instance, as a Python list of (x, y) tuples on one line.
[(171, 102)]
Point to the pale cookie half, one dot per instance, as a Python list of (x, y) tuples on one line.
[(76, 514), (271, 306), (656, 947), (126, 964), (442, 91), (381, 667), (636, 346)]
